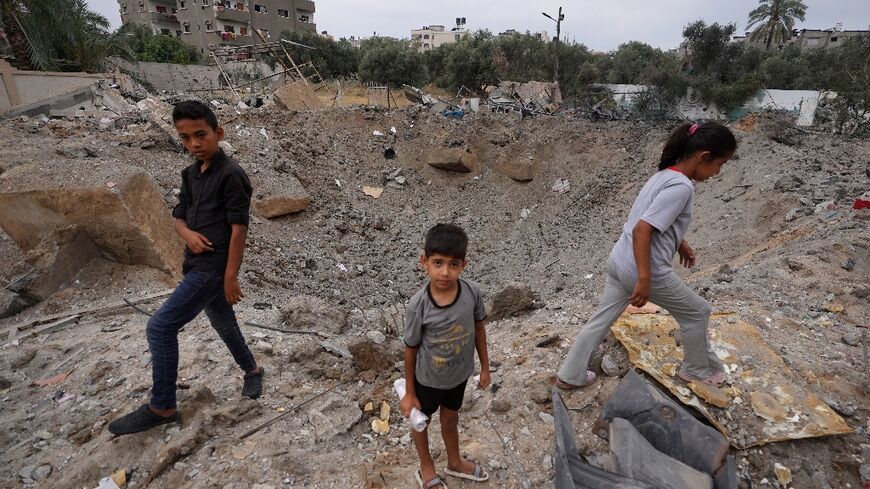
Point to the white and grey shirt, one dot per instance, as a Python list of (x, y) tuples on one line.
[(444, 335), (664, 202)]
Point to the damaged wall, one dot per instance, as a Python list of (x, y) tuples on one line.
[(177, 78), (801, 103), (18, 88)]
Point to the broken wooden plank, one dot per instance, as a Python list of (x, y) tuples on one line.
[(80, 312), (288, 331), (44, 329), (635, 457), (668, 426)]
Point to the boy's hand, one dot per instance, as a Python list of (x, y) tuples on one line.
[(197, 243), (408, 402), (232, 290), (641, 293), (687, 255), (484, 379)]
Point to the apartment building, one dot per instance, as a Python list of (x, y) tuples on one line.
[(810, 38), (213, 23), (432, 36)]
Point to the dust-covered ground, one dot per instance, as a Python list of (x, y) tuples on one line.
[(345, 266)]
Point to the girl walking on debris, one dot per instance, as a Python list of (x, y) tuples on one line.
[(639, 268)]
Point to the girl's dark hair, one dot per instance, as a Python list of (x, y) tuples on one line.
[(194, 110), (686, 139)]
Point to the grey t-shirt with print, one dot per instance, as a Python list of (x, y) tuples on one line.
[(444, 335), (665, 202)]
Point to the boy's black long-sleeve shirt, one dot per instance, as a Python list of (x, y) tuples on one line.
[(210, 202)]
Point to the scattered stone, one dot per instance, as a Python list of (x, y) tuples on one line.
[(41, 472), (370, 356), (23, 359), (851, 339), (500, 406), (521, 169), (787, 183), (545, 417), (864, 471), (833, 307), (848, 264), (861, 293), (265, 347), (562, 186), (609, 366), (452, 159), (43, 435), (26, 472), (512, 300), (262, 486), (783, 474), (4, 384), (793, 264), (376, 336), (276, 197), (712, 394)]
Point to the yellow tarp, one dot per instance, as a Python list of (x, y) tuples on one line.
[(762, 405)]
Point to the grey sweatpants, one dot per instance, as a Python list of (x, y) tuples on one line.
[(690, 310)]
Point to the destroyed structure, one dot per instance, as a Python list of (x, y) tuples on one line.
[(208, 24), (342, 198)]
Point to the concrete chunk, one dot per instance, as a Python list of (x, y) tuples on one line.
[(521, 169), (670, 428), (118, 207), (635, 457), (277, 197), (451, 159)]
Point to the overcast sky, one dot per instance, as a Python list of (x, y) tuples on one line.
[(599, 24)]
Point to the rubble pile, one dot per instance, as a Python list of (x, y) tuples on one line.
[(333, 246)]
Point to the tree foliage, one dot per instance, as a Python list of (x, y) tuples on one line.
[(55, 34), (332, 59), (137, 42), (775, 20), (391, 61)]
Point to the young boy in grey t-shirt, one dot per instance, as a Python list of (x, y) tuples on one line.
[(443, 327)]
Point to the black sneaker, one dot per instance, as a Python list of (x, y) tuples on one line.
[(140, 420), (253, 384)]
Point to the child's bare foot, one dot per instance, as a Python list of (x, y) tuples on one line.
[(468, 470), (428, 478)]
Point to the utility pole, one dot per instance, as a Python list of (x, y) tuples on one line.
[(558, 20)]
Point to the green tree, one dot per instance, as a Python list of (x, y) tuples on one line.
[(332, 59), (775, 20), (391, 61), (137, 42), (846, 71), (55, 34), (468, 62)]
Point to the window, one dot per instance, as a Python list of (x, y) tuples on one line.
[(303, 18), (174, 11), (161, 9), (165, 32), (265, 33), (260, 8), (208, 27), (177, 33), (240, 6), (425, 45), (181, 4), (229, 28), (123, 8), (187, 28), (283, 13), (425, 36), (141, 6), (833, 39), (456, 37), (243, 31), (205, 3)]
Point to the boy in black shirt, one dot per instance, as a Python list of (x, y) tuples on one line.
[(212, 217)]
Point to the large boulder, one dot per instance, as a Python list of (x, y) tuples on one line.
[(514, 299), (521, 168), (275, 197), (452, 159), (117, 207)]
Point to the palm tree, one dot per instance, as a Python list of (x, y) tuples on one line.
[(775, 20), (49, 34)]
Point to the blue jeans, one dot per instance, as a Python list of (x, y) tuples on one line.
[(200, 290)]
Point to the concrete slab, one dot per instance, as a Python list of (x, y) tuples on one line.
[(766, 404)]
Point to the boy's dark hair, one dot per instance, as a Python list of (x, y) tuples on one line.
[(446, 239), (688, 138), (194, 110)]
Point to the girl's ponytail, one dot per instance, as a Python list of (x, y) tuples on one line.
[(688, 138)]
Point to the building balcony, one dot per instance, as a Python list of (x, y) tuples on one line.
[(242, 16), (161, 18), (305, 5)]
